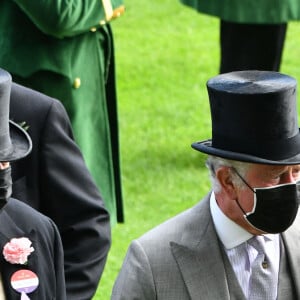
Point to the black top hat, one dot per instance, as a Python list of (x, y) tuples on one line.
[(254, 118), (15, 142)]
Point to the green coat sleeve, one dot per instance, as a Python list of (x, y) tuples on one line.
[(63, 18)]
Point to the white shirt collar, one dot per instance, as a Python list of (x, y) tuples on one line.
[(230, 233)]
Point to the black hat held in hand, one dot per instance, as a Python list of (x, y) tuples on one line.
[(254, 118), (15, 142)]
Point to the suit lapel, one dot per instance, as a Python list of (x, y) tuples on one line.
[(9, 230), (199, 259)]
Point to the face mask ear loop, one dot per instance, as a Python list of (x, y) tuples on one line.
[(236, 172), (246, 183), (239, 205)]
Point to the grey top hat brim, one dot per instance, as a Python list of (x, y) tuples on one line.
[(21, 144), (206, 147)]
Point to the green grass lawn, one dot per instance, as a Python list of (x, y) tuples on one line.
[(165, 53)]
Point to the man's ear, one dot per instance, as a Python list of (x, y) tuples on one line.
[(224, 175)]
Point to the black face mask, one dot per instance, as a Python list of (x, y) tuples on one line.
[(5, 186), (275, 208)]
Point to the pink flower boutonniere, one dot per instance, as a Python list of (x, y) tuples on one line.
[(17, 250)]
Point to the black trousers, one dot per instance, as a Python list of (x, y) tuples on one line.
[(251, 46)]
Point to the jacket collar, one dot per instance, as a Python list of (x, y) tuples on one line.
[(8, 230), (199, 256), (202, 259)]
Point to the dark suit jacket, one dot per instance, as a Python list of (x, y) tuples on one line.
[(19, 220), (54, 180)]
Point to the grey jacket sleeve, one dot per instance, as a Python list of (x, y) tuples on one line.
[(135, 280)]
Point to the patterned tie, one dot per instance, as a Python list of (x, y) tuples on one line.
[(262, 285)]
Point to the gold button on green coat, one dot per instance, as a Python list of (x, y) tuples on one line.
[(51, 48), (77, 83)]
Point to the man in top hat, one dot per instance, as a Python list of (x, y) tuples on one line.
[(31, 260), (242, 240)]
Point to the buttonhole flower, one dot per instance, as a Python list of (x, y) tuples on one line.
[(17, 250)]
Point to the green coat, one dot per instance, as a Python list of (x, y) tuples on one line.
[(65, 50), (249, 11)]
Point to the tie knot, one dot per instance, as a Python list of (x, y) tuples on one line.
[(258, 242)]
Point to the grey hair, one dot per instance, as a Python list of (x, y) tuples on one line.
[(213, 163)]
